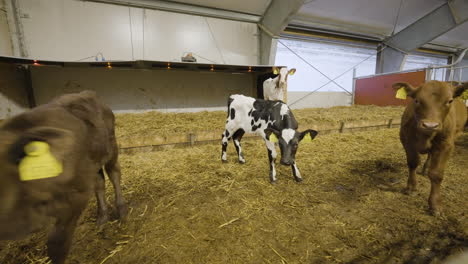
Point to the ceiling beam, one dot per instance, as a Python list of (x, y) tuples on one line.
[(392, 55), (183, 9), (277, 16), (441, 20)]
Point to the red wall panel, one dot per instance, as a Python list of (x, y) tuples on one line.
[(378, 90)]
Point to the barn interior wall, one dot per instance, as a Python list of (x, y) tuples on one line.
[(462, 73), (13, 97), (300, 100), (73, 30), (131, 90), (6, 48)]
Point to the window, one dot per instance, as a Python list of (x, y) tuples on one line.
[(331, 59)]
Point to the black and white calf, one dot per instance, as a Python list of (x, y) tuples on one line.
[(264, 118)]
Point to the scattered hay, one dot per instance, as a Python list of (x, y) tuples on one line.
[(188, 207)]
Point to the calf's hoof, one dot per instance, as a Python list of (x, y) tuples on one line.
[(273, 182), (224, 161), (122, 210), (101, 220), (409, 191), (242, 161), (298, 180), (436, 213)]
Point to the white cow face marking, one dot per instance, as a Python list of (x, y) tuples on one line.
[(283, 77), (288, 134), (284, 110)]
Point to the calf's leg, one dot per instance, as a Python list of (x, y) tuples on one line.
[(439, 158), (60, 239), (426, 164), (113, 171), (296, 172), (237, 137), (224, 141), (413, 160), (102, 216), (271, 157)]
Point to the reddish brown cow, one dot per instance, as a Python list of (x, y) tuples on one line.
[(430, 124), (79, 131)]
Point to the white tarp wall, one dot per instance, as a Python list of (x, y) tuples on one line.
[(73, 30), (5, 38), (331, 59), (334, 60)]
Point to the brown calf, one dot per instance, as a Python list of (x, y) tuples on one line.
[(80, 134), (430, 124)]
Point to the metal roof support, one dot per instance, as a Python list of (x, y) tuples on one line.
[(16, 28), (183, 9), (441, 20), (458, 66), (389, 60), (274, 21)]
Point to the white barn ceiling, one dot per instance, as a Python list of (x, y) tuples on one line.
[(373, 18), (256, 7)]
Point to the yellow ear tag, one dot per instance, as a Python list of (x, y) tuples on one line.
[(273, 138), (307, 138), (275, 71), (464, 95), (39, 163), (401, 94)]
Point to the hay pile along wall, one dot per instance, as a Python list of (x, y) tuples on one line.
[(188, 207)]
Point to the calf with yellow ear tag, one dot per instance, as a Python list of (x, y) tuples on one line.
[(276, 88), (273, 121)]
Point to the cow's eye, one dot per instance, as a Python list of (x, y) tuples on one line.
[(416, 101), (450, 101)]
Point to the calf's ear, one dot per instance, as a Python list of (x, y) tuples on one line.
[(60, 142), (461, 90), (276, 70), (308, 135), (292, 71), (404, 89), (272, 134)]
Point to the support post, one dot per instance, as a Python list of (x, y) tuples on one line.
[(274, 21), (354, 87)]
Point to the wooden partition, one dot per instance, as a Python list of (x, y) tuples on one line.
[(377, 90)]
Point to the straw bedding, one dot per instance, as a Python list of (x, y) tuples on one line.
[(188, 207), (138, 125)]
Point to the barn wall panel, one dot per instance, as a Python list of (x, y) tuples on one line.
[(300, 100), (6, 48), (13, 96), (130, 90), (377, 90), (73, 30)]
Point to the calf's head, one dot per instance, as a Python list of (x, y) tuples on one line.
[(432, 102), (288, 141), (25, 204), (283, 75)]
